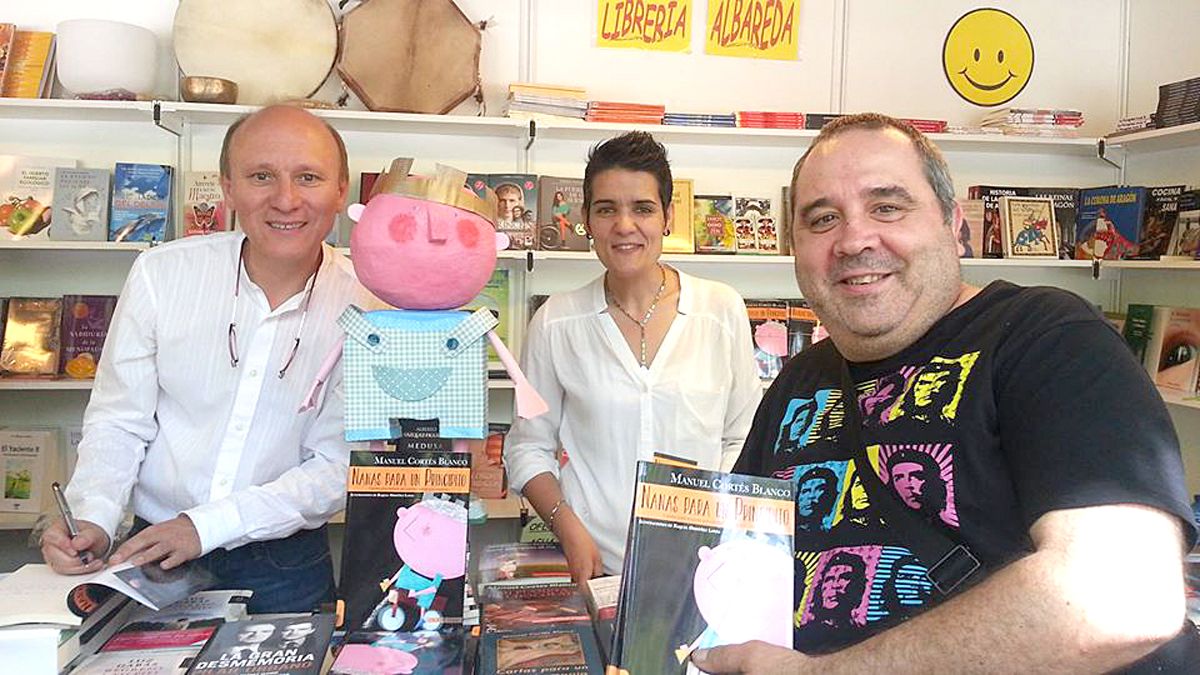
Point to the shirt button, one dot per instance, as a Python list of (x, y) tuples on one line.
[(239, 426), (253, 373), (224, 482)]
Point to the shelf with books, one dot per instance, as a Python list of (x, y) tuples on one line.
[(53, 245), (568, 129), (1182, 264), (45, 109), (44, 385), (779, 260), (357, 120), (1152, 140)]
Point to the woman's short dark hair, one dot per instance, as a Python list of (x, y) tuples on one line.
[(632, 151)]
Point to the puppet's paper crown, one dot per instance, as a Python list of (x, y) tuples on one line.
[(446, 187)]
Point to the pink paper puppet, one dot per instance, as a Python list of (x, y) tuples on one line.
[(427, 246), (743, 589)]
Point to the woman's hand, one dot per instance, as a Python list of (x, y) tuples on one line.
[(583, 556)]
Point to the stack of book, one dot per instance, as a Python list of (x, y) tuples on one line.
[(625, 113), (533, 101), (1055, 122), (755, 119), (1178, 103), (1128, 125), (686, 119), (927, 126)]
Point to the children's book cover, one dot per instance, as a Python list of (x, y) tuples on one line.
[(141, 202), (32, 337), (682, 236), (85, 320), (552, 650), (80, 204), (1028, 227), (517, 199), (275, 645), (405, 553), (754, 225), (423, 652), (203, 204), (769, 335), (1162, 214), (709, 562), (712, 218), (1109, 222), (560, 215)]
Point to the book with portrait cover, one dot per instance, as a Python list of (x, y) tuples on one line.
[(1109, 223), (708, 562), (85, 320), (517, 200), (141, 202), (970, 234), (425, 652), (286, 645), (1162, 213), (405, 552), (712, 224), (32, 340), (80, 204), (560, 215), (1179, 355), (204, 209), (549, 650)]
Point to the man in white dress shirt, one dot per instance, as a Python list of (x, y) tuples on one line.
[(214, 342)]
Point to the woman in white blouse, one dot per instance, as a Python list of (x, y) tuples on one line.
[(645, 359)]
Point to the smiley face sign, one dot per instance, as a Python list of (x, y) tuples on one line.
[(988, 57)]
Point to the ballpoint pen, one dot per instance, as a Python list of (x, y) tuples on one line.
[(72, 527)]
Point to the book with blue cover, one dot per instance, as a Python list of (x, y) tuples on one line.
[(141, 202), (1109, 222)]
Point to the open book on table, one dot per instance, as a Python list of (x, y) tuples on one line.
[(37, 594)]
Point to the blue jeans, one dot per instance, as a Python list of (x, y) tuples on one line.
[(293, 574)]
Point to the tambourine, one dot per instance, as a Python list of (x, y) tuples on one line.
[(275, 50), (419, 56)]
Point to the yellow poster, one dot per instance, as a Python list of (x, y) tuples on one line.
[(662, 26), (759, 29)]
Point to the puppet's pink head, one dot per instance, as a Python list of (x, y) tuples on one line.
[(424, 243)]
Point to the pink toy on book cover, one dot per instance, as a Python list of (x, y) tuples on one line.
[(425, 245)]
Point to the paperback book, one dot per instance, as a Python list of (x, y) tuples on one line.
[(29, 462), (405, 552), (511, 608), (801, 323), (713, 224), (185, 624), (754, 225), (31, 337), (523, 563), (27, 194), (708, 563), (769, 335), (1185, 240), (141, 662), (141, 202), (1162, 214), (425, 652), (682, 236), (488, 480), (203, 203), (85, 321), (560, 215), (1109, 222), (287, 645), (970, 234), (517, 200), (552, 650), (80, 204)]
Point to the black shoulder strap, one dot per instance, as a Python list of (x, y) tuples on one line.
[(948, 562)]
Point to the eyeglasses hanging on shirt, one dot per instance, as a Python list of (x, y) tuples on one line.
[(237, 286)]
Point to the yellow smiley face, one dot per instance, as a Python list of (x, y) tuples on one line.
[(988, 57)]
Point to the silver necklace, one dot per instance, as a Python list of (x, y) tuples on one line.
[(649, 311)]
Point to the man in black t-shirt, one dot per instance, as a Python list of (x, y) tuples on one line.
[(1012, 420)]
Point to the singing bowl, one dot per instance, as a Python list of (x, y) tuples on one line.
[(96, 55), (199, 89)]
